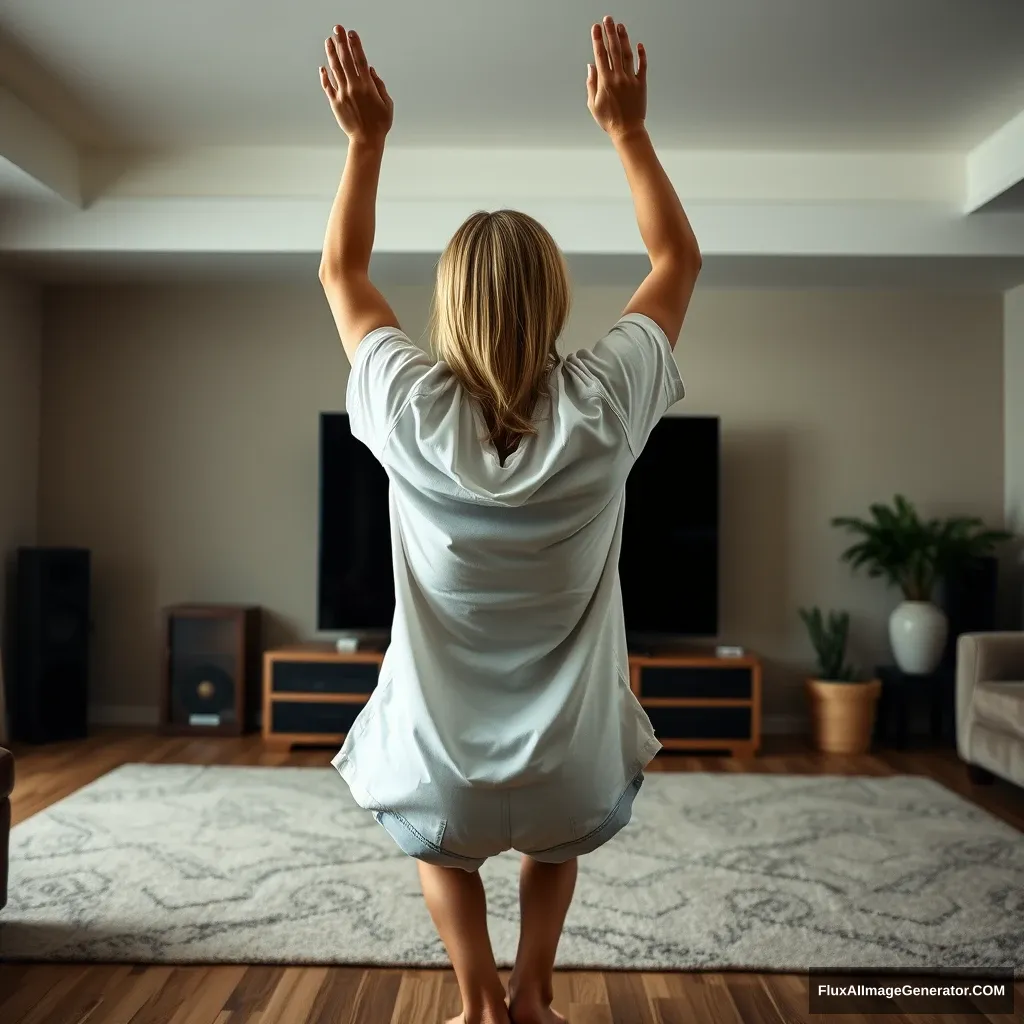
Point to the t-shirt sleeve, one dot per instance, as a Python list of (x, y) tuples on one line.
[(385, 372), (633, 366)]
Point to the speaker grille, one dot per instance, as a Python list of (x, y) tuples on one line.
[(49, 689)]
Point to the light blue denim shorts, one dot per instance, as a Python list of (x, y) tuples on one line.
[(439, 849)]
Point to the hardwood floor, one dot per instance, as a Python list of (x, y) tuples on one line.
[(113, 994)]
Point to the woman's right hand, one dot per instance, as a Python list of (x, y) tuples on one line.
[(616, 92)]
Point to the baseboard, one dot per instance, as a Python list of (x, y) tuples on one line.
[(123, 714), (784, 725)]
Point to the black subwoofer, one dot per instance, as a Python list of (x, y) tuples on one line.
[(49, 689)]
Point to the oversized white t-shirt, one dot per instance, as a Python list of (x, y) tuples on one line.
[(507, 664)]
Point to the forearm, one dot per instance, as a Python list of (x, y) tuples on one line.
[(353, 219), (663, 223)]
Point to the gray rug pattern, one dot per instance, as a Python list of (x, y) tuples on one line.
[(196, 864)]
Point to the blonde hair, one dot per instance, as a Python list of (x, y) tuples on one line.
[(500, 302)]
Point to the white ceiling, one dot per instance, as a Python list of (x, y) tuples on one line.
[(822, 74)]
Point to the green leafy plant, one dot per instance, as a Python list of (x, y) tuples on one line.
[(828, 636), (912, 553)]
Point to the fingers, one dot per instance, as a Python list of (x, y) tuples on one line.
[(327, 84), (641, 53), (591, 83), (341, 44), (600, 51), (382, 89), (627, 53), (358, 56), (334, 64), (613, 45)]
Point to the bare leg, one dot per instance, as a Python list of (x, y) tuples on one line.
[(545, 892), (456, 901)]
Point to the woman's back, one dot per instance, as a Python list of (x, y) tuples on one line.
[(507, 655)]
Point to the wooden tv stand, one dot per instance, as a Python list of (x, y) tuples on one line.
[(697, 702)]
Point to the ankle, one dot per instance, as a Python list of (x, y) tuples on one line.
[(529, 993), (488, 1014), (487, 1009)]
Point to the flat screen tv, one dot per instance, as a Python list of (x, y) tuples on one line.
[(669, 562)]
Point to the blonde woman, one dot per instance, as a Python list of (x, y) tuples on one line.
[(502, 718)]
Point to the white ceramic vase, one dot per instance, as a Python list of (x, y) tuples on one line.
[(917, 632)]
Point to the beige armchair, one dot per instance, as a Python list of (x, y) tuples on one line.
[(990, 705)]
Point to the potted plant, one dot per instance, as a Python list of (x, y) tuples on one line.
[(842, 703), (915, 554)]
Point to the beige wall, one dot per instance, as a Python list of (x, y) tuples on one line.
[(20, 344), (180, 444)]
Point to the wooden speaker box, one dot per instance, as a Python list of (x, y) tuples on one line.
[(211, 669)]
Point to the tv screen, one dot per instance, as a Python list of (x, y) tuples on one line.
[(669, 562), (356, 584)]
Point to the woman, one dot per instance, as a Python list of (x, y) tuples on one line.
[(502, 718)]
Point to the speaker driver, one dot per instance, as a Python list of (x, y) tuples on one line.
[(207, 693)]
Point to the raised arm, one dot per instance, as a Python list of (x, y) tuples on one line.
[(617, 98), (364, 111)]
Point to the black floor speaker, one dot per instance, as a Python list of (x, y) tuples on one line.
[(970, 601), (48, 693)]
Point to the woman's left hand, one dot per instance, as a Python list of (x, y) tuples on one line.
[(361, 104)]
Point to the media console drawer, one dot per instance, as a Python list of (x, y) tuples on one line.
[(324, 676), (308, 718), (697, 681), (699, 702), (312, 693)]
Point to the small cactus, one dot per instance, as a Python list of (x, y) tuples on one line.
[(828, 636)]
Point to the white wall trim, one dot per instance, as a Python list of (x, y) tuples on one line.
[(995, 164), (487, 174), (594, 226)]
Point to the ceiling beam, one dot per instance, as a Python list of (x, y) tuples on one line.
[(38, 150), (996, 165), (588, 225)]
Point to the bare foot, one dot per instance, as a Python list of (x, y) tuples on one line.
[(489, 1017), (535, 1013)]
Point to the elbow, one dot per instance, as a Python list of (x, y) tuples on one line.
[(684, 261)]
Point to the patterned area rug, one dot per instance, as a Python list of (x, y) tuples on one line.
[(185, 864)]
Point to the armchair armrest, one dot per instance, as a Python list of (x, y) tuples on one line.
[(983, 657)]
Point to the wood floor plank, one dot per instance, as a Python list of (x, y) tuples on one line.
[(656, 986), (588, 987), (212, 995), (562, 990), (590, 1013), (703, 997), (376, 997), (182, 987), (253, 992), (628, 999), (751, 999), (85, 997), (37, 997), (293, 1000), (336, 995), (419, 998), (120, 1005)]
